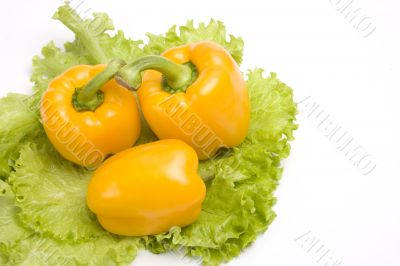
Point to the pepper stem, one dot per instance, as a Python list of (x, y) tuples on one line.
[(90, 97), (178, 77)]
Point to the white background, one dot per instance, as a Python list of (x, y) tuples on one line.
[(316, 51)]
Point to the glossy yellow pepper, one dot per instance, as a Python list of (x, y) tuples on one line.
[(214, 110), (85, 125), (147, 189)]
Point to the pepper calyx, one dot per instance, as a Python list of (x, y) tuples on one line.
[(90, 105), (90, 97)]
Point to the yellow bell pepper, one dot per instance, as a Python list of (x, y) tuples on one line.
[(210, 107), (87, 115), (147, 189)]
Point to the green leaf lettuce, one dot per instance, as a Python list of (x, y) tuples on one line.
[(17, 123), (44, 219), (214, 31), (57, 205)]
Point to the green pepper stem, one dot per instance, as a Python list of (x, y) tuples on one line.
[(177, 76), (88, 97)]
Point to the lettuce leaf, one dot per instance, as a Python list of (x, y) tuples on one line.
[(214, 31), (273, 113), (49, 222), (3, 258), (17, 123), (92, 39), (107, 250), (60, 193), (11, 230)]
